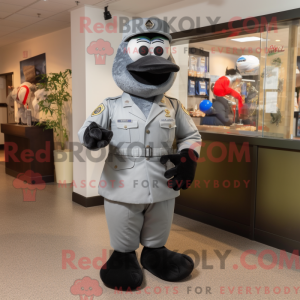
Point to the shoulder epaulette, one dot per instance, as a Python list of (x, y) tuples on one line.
[(114, 98), (171, 98)]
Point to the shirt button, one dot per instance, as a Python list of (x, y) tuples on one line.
[(148, 131)]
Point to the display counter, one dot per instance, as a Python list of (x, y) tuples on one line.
[(28, 148), (244, 130), (3, 119), (235, 130), (248, 186)]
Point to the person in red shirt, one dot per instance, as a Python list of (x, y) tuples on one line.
[(223, 86)]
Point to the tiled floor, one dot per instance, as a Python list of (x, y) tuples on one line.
[(36, 235)]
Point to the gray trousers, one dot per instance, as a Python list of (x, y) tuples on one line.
[(132, 224)]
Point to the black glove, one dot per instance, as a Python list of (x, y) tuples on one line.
[(184, 170), (96, 137)]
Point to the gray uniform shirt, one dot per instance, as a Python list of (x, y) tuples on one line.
[(128, 175)]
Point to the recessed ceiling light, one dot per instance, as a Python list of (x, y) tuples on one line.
[(277, 40), (248, 39), (250, 80)]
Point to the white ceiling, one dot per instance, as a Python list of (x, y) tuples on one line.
[(19, 19), (140, 6)]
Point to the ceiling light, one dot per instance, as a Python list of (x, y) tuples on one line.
[(277, 40), (247, 39), (250, 80)]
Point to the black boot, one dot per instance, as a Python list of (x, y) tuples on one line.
[(122, 270), (166, 264)]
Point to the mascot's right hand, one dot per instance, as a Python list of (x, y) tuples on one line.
[(96, 137)]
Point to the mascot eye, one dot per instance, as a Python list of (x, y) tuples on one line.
[(158, 51), (138, 48), (160, 47), (144, 50)]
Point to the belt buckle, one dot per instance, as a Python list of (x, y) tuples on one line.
[(148, 152)]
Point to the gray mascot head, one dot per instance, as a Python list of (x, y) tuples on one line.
[(144, 65)]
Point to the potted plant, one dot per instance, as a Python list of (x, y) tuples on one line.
[(56, 86)]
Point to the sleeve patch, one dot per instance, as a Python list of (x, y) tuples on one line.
[(98, 110), (184, 109)]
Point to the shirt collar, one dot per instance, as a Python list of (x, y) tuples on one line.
[(161, 100)]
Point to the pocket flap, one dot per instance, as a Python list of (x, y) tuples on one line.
[(118, 162), (169, 124), (127, 124)]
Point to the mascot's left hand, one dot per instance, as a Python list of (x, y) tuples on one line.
[(184, 171)]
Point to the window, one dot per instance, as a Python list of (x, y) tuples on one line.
[(258, 95)]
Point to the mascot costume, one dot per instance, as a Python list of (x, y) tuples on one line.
[(22, 96), (39, 95), (153, 148), (248, 65)]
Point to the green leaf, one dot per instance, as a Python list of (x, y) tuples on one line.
[(57, 84)]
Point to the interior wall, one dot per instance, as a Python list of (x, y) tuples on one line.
[(92, 83), (220, 60), (179, 88), (56, 45)]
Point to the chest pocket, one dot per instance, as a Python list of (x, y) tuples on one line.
[(125, 131), (167, 130)]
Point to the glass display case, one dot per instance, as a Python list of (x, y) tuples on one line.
[(261, 66)]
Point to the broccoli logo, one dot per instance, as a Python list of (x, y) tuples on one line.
[(86, 288), (100, 49), (29, 182)]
